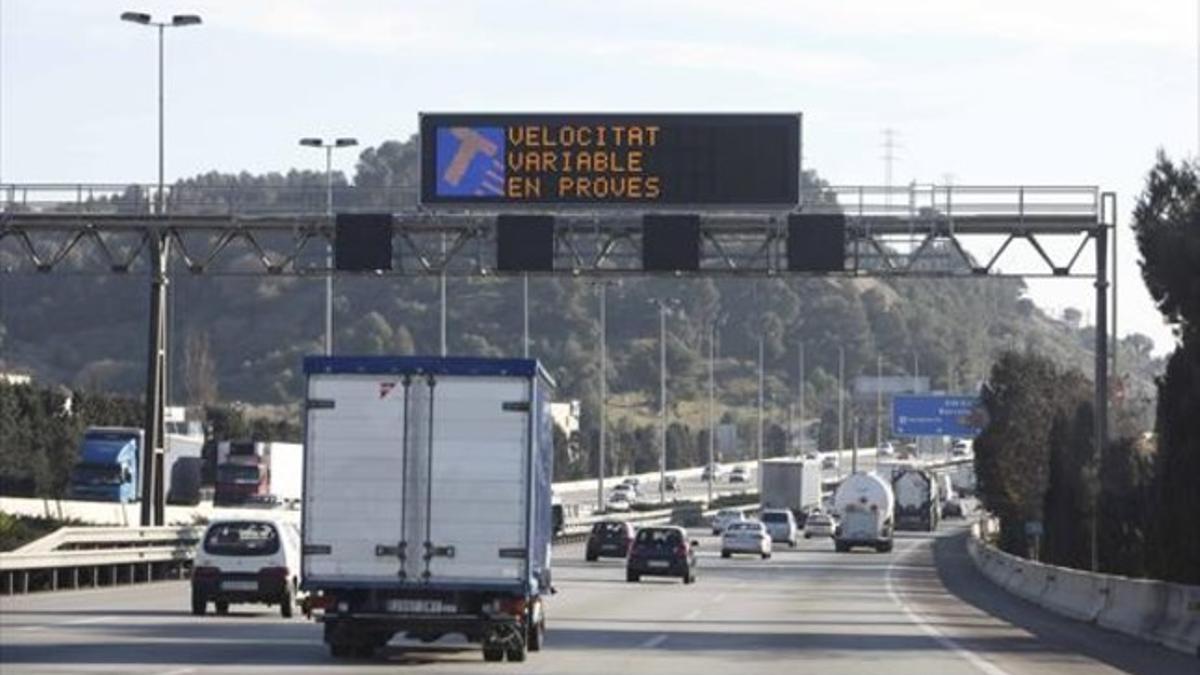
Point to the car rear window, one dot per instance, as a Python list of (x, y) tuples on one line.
[(658, 537), (609, 529), (776, 517), (738, 527), (242, 538)]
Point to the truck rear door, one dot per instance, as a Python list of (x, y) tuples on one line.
[(354, 470), (476, 504)]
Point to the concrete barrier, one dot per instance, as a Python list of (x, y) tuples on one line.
[(1134, 606), (1180, 627), (1168, 614), (1079, 595)]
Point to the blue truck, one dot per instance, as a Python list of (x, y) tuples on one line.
[(427, 504), (109, 466)]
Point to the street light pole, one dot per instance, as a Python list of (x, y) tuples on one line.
[(662, 402), (878, 400), (801, 386), (328, 148), (603, 285), (841, 405), (153, 509), (761, 378), (712, 406)]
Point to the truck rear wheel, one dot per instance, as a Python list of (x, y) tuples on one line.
[(840, 547), (516, 650), (493, 653)]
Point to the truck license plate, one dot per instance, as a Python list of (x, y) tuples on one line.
[(409, 606), (659, 563), (239, 585)]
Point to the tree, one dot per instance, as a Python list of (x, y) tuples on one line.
[(199, 370), (1167, 224)]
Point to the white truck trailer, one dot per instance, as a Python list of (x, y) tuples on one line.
[(793, 484), (865, 507), (917, 503), (286, 461), (427, 502)]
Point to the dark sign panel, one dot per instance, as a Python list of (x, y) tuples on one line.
[(610, 159)]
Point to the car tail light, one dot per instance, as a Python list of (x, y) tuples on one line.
[(205, 572), (274, 572), (681, 550)]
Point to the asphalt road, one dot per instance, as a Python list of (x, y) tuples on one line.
[(921, 609)]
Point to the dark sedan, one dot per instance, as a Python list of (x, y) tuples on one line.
[(662, 552)]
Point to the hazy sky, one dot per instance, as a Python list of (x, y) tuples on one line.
[(985, 92)]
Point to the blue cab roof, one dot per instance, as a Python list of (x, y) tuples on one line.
[(103, 451), (423, 365)]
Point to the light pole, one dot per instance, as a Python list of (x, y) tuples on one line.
[(603, 288), (664, 305), (153, 509), (841, 406), (328, 148), (712, 402), (525, 315), (177, 21), (801, 393)]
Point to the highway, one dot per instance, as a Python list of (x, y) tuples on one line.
[(922, 609)]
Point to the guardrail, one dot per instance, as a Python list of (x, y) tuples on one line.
[(1156, 611), (75, 557)]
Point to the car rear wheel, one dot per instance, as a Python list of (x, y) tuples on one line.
[(807, 535), (199, 603), (725, 554), (591, 557), (632, 577), (689, 577), (287, 603), (222, 607), (766, 556), (840, 547)]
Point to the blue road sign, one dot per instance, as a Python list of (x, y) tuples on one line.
[(937, 416)]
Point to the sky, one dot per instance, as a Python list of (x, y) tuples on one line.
[(1070, 92)]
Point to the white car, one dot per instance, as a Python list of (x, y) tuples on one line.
[(747, 536), (960, 448), (247, 560), (781, 525), (619, 501), (633, 482), (724, 518), (886, 449), (819, 525), (830, 461), (739, 475), (625, 489)]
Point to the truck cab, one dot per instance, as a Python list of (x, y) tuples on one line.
[(242, 472), (108, 468)]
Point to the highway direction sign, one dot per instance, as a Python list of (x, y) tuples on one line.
[(936, 416)]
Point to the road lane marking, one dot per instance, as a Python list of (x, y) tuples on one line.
[(178, 671), (655, 641), (73, 622), (719, 598), (940, 637), (692, 614)]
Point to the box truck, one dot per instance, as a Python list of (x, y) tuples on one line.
[(793, 484), (427, 503), (864, 505)]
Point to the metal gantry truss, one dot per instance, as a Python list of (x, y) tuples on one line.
[(912, 231)]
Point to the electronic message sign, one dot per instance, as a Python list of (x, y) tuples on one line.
[(620, 159)]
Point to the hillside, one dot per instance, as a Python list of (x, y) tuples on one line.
[(242, 338)]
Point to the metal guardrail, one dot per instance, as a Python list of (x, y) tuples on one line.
[(111, 555), (94, 556)]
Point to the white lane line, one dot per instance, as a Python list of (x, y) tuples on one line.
[(73, 622), (692, 614), (178, 671), (719, 598), (940, 637), (655, 641)]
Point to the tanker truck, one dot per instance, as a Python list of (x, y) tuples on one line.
[(865, 506), (917, 504)]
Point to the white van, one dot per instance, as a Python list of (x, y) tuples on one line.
[(247, 560)]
